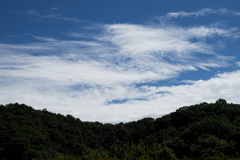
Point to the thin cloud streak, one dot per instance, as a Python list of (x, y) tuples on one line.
[(203, 12), (53, 15)]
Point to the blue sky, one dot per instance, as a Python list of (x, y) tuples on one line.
[(113, 61)]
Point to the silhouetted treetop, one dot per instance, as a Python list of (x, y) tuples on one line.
[(197, 131)]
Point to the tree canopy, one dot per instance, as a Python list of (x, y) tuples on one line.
[(201, 131)]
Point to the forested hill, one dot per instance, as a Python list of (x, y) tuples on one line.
[(198, 131)]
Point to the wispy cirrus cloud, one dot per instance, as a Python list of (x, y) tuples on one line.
[(203, 12), (51, 15), (127, 48), (106, 76)]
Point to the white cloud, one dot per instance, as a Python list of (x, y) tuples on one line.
[(224, 86), (52, 15), (89, 104), (54, 8), (202, 12), (82, 77), (238, 64), (137, 39)]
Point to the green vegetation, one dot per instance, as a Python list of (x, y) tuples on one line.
[(202, 131)]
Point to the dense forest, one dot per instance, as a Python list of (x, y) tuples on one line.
[(201, 131)]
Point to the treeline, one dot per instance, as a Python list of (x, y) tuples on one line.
[(202, 131)]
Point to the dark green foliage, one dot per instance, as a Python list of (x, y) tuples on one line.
[(202, 131)]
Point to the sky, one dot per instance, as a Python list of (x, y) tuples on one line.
[(118, 61)]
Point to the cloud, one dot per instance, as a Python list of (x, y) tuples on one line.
[(238, 64), (32, 13), (146, 39), (54, 8), (203, 12), (125, 53), (89, 104), (116, 74), (223, 85), (52, 15)]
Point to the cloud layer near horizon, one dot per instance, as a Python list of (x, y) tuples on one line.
[(106, 77)]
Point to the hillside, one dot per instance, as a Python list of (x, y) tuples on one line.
[(198, 131)]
